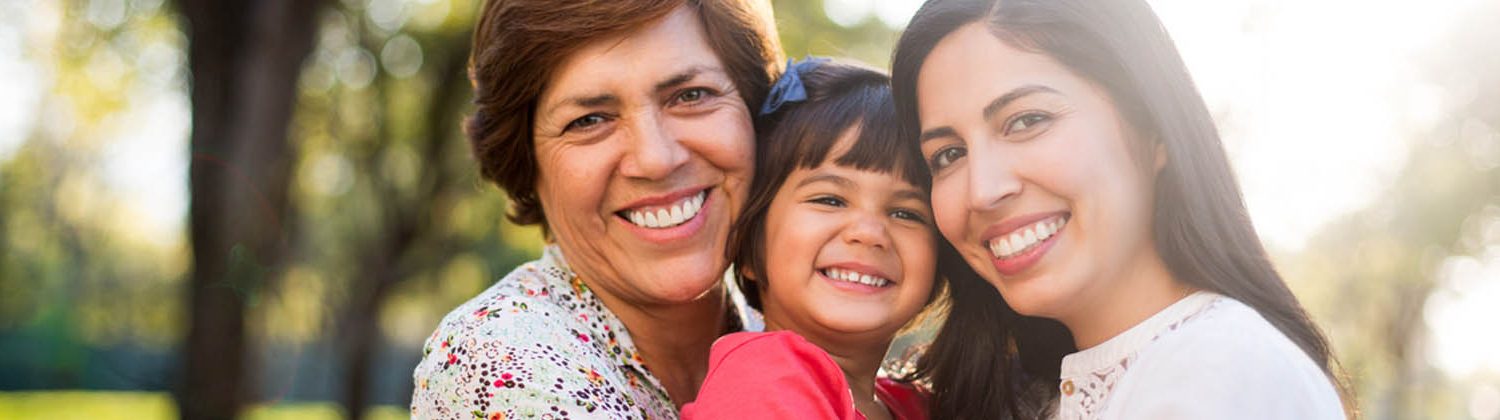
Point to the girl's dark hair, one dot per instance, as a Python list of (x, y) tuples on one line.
[(1200, 225), (840, 97)]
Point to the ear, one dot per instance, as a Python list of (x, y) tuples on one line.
[(745, 273)]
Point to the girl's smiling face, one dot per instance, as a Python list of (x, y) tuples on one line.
[(848, 251)]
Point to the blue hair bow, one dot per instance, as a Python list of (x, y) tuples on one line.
[(788, 87)]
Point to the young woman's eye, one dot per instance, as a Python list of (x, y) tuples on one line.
[(828, 200), (585, 122), (946, 157), (1026, 121)]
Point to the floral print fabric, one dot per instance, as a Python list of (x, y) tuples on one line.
[(539, 344)]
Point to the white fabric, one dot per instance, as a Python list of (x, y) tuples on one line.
[(1205, 357)]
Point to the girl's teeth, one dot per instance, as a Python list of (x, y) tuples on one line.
[(854, 277), (1023, 239), (673, 215)]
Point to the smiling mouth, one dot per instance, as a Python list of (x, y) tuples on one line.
[(1024, 239), (851, 276), (671, 215)]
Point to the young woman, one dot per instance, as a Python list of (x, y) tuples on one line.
[(1076, 169), (836, 246)]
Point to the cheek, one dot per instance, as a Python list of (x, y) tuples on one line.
[(948, 209), (725, 138), (575, 178), (789, 243), (918, 252)]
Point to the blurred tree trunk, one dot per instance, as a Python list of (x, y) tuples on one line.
[(408, 220), (244, 57)]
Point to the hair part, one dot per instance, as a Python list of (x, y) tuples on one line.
[(1200, 225), (518, 44)]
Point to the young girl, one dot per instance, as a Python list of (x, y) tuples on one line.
[(836, 246), (1079, 173)]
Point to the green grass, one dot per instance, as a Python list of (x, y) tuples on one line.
[(69, 405)]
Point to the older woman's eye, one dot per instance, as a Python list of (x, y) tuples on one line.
[(1026, 121), (693, 95), (585, 122), (945, 157)]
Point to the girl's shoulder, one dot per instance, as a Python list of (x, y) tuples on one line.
[(771, 375), (771, 352)]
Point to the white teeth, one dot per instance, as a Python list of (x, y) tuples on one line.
[(1023, 239), (672, 215), (855, 277)]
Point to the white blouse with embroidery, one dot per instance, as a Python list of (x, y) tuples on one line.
[(1206, 356)]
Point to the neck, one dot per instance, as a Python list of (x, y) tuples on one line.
[(1146, 288), (859, 358), (674, 340)]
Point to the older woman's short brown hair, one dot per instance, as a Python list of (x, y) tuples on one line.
[(519, 43)]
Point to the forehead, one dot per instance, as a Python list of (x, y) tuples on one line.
[(635, 60), (971, 66)]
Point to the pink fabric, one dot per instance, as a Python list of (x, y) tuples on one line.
[(779, 375)]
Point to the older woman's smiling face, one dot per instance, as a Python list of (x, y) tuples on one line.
[(645, 151)]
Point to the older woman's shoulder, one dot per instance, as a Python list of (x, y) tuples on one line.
[(531, 295), (527, 344)]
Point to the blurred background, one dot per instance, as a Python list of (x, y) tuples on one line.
[(343, 215)]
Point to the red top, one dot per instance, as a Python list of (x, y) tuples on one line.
[(779, 375)]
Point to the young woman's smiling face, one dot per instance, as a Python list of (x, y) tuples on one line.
[(850, 253), (1035, 178)]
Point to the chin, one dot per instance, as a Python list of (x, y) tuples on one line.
[(857, 323), (683, 286), (1033, 297)]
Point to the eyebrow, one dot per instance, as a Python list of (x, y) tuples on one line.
[(990, 109), (585, 101), (910, 194), (683, 77), (673, 81), (904, 193), (826, 177)]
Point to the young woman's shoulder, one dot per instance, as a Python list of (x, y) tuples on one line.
[(1228, 363)]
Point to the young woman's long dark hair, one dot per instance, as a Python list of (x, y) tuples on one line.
[(1200, 225)]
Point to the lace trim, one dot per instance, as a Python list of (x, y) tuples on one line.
[(1085, 397)]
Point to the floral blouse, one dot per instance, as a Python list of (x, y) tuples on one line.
[(540, 344)]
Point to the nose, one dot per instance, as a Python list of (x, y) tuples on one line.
[(868, 229), (655, 151), (991, 177)]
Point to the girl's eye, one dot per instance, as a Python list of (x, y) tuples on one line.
[(908, 215), (585, 122), (946, 157), (1026, 121), (826, 200)]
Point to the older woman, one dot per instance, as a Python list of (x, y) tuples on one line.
[(624, 130)]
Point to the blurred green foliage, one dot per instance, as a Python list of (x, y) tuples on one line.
[(91, 291)]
